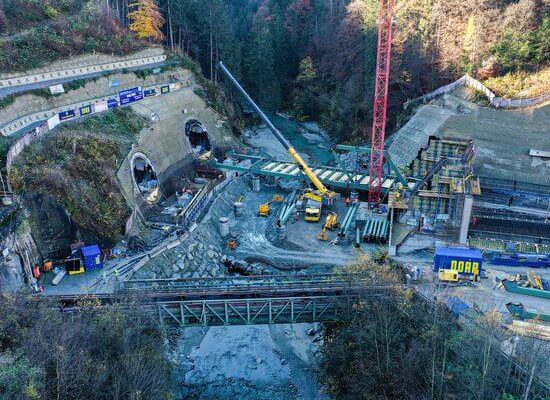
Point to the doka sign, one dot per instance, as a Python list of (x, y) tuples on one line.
[(130, 95), (464, 261)]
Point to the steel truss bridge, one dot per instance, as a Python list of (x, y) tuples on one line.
[(269, 299), (330, 176)]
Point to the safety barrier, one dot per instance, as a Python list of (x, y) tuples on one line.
[(501, 245), (42, 77), (495, 101)]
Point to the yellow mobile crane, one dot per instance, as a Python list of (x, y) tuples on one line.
[(321, 190)]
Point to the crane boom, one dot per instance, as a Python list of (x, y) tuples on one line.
[(286, 144), (380, 100)]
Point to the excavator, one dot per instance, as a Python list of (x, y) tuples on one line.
[(331, 224), (264, 210), (314, 197)]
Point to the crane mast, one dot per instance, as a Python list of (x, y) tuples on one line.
[(322, 190), (380, 101)]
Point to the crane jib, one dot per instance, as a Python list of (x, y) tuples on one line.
[(286, 144), (293, 153)]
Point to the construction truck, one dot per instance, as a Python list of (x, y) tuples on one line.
[(264, 210), (320, 190), (314, 204)]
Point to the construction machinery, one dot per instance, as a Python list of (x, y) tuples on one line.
[(232, 244), (314, 204), (264, 210), (383, 55), (331, 224), (320, 190)]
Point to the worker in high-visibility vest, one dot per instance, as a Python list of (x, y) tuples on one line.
[(36, 271)]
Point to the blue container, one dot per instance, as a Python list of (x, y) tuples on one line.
[(92, 257), (465, 261)]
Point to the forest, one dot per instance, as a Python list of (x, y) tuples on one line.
[(403, 346), (315, 59)]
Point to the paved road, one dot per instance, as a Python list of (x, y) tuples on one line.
[(39, 85)]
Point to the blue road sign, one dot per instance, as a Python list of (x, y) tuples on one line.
[(65, 115), (130, 95)]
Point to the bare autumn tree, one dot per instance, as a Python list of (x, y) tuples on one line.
[(397, 345), (113, 353)]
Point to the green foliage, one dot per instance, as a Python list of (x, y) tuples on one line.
[(307, 72), (521, 84), (6, 101), (400, 346), (19, 379), (524, 51), (93, 354), (77, 166), (22, 14), (88, 31)]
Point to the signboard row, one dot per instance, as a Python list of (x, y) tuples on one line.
[(124, 97)]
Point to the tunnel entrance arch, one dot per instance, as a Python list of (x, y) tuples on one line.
[(198, 138), (145, 178)]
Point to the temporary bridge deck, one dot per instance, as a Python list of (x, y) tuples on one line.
[(236, 300), (330, 176)]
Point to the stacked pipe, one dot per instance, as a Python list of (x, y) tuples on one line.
[(287, 209), (348, 219), (376, 229)]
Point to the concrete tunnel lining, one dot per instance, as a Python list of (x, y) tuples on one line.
[(145, 177), (198, 137)]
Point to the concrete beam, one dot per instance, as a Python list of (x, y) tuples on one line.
[(466, 216)]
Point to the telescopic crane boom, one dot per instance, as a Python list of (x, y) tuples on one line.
[(322, 189)]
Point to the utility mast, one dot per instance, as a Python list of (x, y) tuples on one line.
[(380, 101)]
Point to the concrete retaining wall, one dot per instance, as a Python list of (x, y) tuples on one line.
[(23, 122), (495, 101), (38, 132)]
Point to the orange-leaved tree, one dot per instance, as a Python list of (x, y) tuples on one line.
[(146, 20)]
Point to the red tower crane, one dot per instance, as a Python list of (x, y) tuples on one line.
[(380, 101)]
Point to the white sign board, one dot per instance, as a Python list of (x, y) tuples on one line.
[(53, 121), (57, 89), (101, 106)]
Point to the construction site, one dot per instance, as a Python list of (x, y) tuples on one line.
[(256, 226)]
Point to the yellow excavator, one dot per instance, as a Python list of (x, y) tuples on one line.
[(321, 192), (264, 210), (331, 224)]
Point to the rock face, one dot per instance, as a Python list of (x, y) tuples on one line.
[(52, 229)]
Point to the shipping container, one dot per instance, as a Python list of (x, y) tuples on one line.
[(464, 261)]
